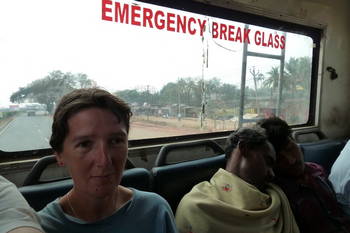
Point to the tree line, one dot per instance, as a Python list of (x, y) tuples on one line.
[(190, 91), (216, 94), (50, 89)]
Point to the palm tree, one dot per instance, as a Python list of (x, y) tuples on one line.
[(297, 75), (272, 79), (257, 78), (298, 72)]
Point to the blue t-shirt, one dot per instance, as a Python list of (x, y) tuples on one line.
[(145, 212)]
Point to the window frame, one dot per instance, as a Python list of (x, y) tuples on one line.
[(263, 21)]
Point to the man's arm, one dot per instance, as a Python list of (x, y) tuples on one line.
[(25, 230), (15, 213)]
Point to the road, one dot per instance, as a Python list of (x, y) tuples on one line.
[(33, 132), (26, 133)]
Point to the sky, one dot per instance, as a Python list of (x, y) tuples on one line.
[(40, 36)]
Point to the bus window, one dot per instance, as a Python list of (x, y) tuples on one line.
[(183, 72)]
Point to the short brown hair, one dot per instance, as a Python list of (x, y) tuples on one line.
[(80, 99)]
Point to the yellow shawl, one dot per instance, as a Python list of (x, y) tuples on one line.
[(229, 204)]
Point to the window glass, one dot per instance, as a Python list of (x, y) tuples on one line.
[(180, 72)]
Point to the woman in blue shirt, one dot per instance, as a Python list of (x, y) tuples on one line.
[(90, 137)]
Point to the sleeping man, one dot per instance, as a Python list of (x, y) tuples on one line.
[(239, 198)]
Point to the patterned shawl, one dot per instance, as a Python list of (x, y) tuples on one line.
[(229, 204)]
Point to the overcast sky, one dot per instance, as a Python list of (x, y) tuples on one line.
[(39, 36)]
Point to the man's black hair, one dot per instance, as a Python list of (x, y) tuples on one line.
[(277, 131), (252, 137)]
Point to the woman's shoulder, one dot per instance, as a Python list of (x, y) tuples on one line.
[(51, 210), (147, 196), (149, 199)]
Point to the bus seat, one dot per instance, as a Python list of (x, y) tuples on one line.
[(35, 173), (173, 181), (323, 152), (185, 151), (308, 135), (43, 163), (138, 178), (39, 195)]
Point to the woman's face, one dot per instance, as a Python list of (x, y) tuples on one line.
[(290, 161), (95, 151)]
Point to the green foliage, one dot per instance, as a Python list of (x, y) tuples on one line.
[(296, 77), (272, 78), (298, 72), (50, 89), (186, 91), (130, 96), (140, 96), (5, 115)]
